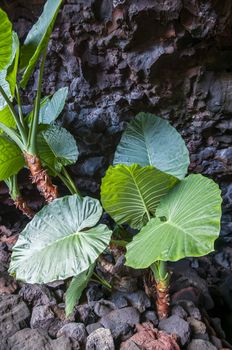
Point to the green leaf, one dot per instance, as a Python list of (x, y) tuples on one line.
[(52, 108), (7, 118), (187, 224), (75, 289), (37, 39), (130, 194), (57, 147), (9, 74), (61, 241), (149, 140), (11, 158), (5, 39)]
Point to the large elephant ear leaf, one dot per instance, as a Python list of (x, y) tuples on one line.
[(6, 118), (131, 194), (37, 39), (57, 147), (150, 140), (11, 158), (75, 289), (5, 39), (187, 224), (61, 241)]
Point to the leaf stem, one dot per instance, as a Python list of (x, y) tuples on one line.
[(70, 180), (20, 107), (20, 127), (102, 281), (13, 135), (32, 140)]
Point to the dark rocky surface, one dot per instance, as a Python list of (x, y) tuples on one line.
[(171, 58)]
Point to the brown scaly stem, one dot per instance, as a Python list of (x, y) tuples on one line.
[(41, 178), (162, 299), (22, 205)]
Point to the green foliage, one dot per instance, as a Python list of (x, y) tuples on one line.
[(75, 289), (37, 39), (51, 110), (6, 118), (9, 73), (61, 241), (57, 147), (130, 194), (5, 40), (150, 140), (187, 223), (11, 159)]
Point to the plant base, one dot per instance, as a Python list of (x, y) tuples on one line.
[(22, 205), (162, 299), (41, 178)]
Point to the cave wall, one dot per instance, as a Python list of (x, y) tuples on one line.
[(171, 58)]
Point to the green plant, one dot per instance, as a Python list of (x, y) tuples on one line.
[(20, 147), (177, 216), (63, 240)]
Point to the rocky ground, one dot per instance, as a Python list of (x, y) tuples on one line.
[(32, 316)]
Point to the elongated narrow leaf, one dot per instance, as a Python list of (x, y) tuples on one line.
[(187, 224), (131, 194), (57, 147), (75, 289), (150, 140), (5, 39), (7, 118), (37, 39), (52, 109), (61, 241), (11, 158), (9, 73)]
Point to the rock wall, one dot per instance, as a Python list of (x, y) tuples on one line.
[(171, 58)]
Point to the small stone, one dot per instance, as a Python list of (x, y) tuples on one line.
[(93, 326), (36, 294), (191, 309), (178, 326), (103, 307), (179, 311), (85, 314), (75, 331), (94, 293), (29, 339), (216, 341), (100, 339), (119, 300), (199, 344), (42, 317), (151, 316), (197, 326), (139, 300), (127, 315)]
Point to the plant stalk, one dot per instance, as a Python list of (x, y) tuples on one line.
[(162, 277), (16, 195), (20, 127)]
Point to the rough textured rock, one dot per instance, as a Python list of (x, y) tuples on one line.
[(101, 339), (42, 317), (197, 344), (178, 326), (14, 315), (172, 58), (118, 317), (75, 331)]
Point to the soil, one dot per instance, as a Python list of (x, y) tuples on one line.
[(32, 316)]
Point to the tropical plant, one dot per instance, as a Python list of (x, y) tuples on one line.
[(63, 240), (176, 216), (19, 145)]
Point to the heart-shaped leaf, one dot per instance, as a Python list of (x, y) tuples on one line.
[(187, 224), (7, 118), (57, 147), (5, 39), (37, 39), (61, 241), (149, 140), (131, 194), (51, 110), (11, 158)]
